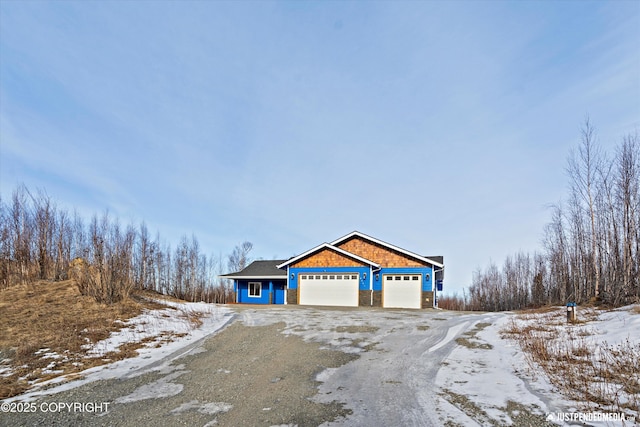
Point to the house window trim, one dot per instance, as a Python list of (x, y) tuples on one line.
[(259, 295)]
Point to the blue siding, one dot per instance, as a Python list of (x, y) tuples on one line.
[(362, 271), (275, 288), (426, 272), (278, 293)]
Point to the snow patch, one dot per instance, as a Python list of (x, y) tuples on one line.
[(451, 333), (485, 378), (170, 322), (594, 340), (5, 371), (325, 374), (210, 408), (161, 388)]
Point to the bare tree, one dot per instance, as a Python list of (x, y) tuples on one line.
[(628, 198), (583, 168), (538, 291), (22, 232), (555, 242), (143, 258), (5, 245), (63, 243), (44, 223), (40, 241), (239, 257)]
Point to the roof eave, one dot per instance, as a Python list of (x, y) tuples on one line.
[(331, 247), (388, 245)]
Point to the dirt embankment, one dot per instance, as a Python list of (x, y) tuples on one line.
[(46, 327)]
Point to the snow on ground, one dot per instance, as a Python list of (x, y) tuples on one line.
[(159, 325), (210, 408), (401, 351), (457, 363), (172, 322), (486, 372), (5, 371), (494, 374), (45, 353), (163, 387), (418, 367)]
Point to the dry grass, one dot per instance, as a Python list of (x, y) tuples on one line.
[(543, 309), (467, 406), (46, 328), (521, 415), (602, 377)]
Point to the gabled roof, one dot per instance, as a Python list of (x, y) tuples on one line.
[(437, 263), (330, 247), (260, 270)]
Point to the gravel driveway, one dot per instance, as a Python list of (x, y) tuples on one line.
[(279, 366)]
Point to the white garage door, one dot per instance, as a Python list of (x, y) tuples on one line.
[(402, 291), (329, 289)]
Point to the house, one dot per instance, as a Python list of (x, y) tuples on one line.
[(354, 270), (261, 282)]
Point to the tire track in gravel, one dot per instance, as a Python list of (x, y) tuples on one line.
[(254, 376)]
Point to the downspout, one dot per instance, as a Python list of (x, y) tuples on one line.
[(271, 291), (435, 286), (371, 282), (286, 288)]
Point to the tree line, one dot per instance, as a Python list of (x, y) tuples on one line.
[(591, 245), (41, 241)]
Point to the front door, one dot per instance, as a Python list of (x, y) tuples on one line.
[(278, 293)]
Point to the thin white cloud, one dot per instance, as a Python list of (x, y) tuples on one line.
[(289, 124)]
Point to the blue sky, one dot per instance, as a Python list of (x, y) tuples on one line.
[(440, 127)]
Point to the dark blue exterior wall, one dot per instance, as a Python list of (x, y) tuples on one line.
[(272, 291)]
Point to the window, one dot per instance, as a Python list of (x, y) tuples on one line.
[(317, 277), (255, 289), (389, 277), (339, 277), (303, 277), (398, 277), (324, 277), (415, 277), (354, 277), (332, 277)]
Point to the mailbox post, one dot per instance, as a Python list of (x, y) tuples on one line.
[(571, 312)]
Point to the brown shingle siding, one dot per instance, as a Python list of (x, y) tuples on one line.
[(328, 258), (379, 254)]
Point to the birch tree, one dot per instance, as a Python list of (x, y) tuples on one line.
[(582, 169)]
